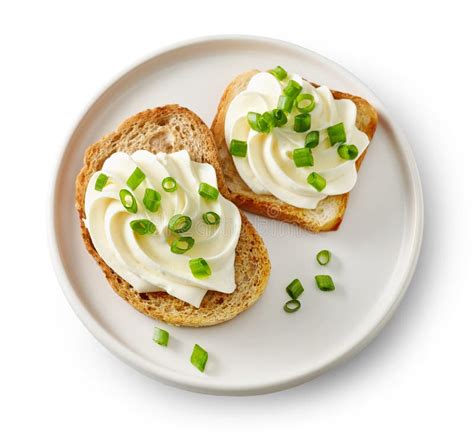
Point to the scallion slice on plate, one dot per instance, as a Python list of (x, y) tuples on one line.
[(323, 257), (199, 357), (292, 306), (161, 337), (324, 282), (295, 289)]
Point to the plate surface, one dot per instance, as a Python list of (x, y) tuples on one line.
[(264, 349)]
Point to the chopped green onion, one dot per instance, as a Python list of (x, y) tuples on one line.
[(101, 182), (143, 227), (200, 268), (151, 200), (135, 179), (266, 122), (161, 337), (252, 119), (324, 282), (293, 89), (208, 192), (305, 103), (295, 289), (211, 218), (199, 357), (262, 123), (302, 123), (312, 139), (182, 245), (317, 181), (238, 148), (347, 152), (279, 117), (323, 257), (292, 306), (285, 103), (303, 157), (169, 184), (128, 201), (279, 73), (337, 134), (179, 223)]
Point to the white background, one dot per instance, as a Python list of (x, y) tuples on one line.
[(416, 378)]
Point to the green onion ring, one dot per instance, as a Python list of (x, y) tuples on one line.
[(323, 257), (179, 223), (292, 306), (182, 245), (211, 218), (300, 99), (128, 201), (169, 184)]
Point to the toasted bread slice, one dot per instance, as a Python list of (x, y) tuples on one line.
[(172, 128), (329, 213)]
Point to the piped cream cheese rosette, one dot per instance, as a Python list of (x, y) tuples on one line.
[(159, 222), (293, 140)]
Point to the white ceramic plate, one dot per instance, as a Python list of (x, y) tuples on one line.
[(264, 349)]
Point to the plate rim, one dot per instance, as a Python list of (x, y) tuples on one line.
[(170, 377)]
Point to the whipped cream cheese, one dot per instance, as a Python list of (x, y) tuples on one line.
[(146, 261), (268, 167)]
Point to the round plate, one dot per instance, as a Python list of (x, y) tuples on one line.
[(264, 349)]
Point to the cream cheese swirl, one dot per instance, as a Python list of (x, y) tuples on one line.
[(268, 167), (145, 261)]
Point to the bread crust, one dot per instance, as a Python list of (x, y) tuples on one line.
[(329, 213), (172, 128)]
